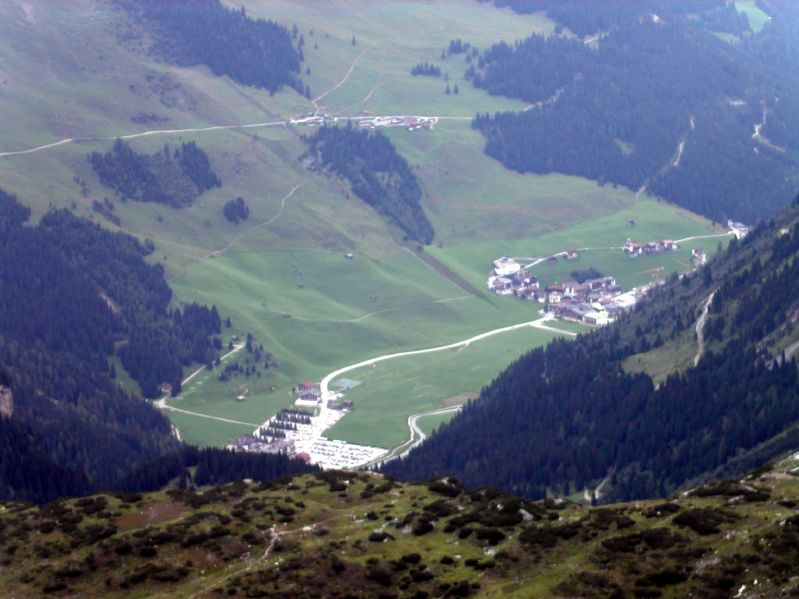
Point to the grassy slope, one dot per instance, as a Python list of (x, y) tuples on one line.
[(64, 74), (284, 539), (757, 18)]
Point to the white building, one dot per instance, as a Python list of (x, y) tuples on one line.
[(506, 266)]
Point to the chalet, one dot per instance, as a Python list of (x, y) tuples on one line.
[(554, 294), (506, 266), (633, 248), (669, 245), (308, 393), (740, 230), (651, 248), (572, 288), (502, 286), (597, 318), (601, 283), (698, 257), (530, 293), (571, 254), (523, 278), (166, 389)]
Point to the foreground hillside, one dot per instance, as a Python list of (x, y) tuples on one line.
[(338, 534)]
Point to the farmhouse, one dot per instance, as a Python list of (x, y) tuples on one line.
[(633, 248), (740, 230), (554, 293), (308, 394), (698, 257)]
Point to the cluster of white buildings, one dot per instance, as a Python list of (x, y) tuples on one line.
[(411, 123), (508, 277), (635, 249), (299, 432), (595, 301)]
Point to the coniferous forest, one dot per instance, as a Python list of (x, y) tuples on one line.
[(74, 297), (172, 177), (569, 416), (659, 103), (378, 175), (252, 52)]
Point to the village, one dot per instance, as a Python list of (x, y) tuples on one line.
[(298, 431), (594, 301), (366, 121)]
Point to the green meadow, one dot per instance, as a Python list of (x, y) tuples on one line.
[(282, 275), (395, 389)]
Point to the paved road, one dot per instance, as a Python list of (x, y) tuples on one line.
[(416, 438), (465, 343)]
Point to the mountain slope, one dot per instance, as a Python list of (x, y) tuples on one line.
[(338, 534), (570, 416), (655, 102)]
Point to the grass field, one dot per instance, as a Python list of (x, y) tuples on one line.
[(393, 390), (430, 424), (73, 72), (757, 18)]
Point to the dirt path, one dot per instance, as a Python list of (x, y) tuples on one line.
[(316, 100), (162, 405), (244, 234)]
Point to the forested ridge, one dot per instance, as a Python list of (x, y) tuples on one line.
[(658, 102), (568, 416), (172, 177), (379, 175), (584, 20), (252, 52), (75, 296)]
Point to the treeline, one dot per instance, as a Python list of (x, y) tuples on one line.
[(426, 69), (569, 416), (192, 466), (193, 32), (585, 18), (172, 177), (74, 296), (378, 175), (27, 473), (624, 111)]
